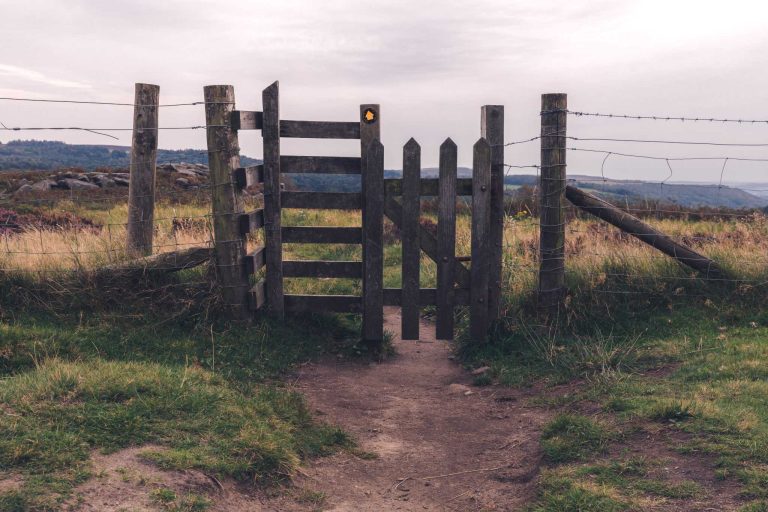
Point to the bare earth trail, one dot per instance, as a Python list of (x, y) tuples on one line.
[(438, 447)]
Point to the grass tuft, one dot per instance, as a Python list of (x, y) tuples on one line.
[(571, 437)]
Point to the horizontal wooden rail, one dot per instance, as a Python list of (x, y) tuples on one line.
[(257, 295), (429, 186), (248, 176), (322, 200), (319, 303), (251, 221), (322, 235), (427, 297), (256, 260), (316, 268), (246, 120), (319, 130), (320, 164)]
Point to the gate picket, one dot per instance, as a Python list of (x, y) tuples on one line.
[(446, 240), (411, 245), (481, 225)]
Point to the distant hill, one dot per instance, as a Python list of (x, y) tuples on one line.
[(43, 155), (50, 155), (683, 194)]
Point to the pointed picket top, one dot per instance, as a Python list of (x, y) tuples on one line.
[(448, 143), (411, 145), (482, 145)]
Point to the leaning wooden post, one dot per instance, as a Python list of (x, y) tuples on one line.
[(552, 191), (373, 310), (226, 199), (481, 227), (141, 190), (270, 133), (492, 130), (411, 240)]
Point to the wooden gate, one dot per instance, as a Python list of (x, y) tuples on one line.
[(399, 199)]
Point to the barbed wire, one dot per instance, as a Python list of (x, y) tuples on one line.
[(112, 103), (656, 117)]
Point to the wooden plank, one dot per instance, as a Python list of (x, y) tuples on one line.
[(481, 225), (394, 211), (251, 221), (427, 297), (248, 176), (373, 260), (141, 190), (552, 217), (226, 200), (290, 164), (446, 240), (410, 237), (322, 200), (429, 187), (492, 130), (257, 296), (256, 260), (271, 137), (246, 120), (322, 235), (319, 130), (350, 269), (323, 303)]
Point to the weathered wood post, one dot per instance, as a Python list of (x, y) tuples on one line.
[(481, 226), (270, 133), (411, 240), (446, 240), (372, 182), (552, 190), (492, 130), (141, 190), (226, 199)]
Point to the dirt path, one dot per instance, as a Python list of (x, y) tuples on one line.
[(439, 444), (416, 414)]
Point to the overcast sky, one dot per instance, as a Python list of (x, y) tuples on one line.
[(430, 64)]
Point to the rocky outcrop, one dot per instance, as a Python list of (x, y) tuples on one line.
[(183, 175)]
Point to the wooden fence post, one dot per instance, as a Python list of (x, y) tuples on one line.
[(373, 247), (226, 199), (270, 133), (446, 240), (141, 190), (492, 130), (552, 189), (370, 130), (481, 224), (411, 240)]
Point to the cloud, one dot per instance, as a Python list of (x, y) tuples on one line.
[(31, 75)]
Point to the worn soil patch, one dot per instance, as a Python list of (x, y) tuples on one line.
[(440, 444)]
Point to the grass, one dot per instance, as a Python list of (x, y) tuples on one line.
[(655, 352)]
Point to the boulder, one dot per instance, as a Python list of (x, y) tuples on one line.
[(182, 182), (44, 185), (120, 182), (24, 189), (76, 184)]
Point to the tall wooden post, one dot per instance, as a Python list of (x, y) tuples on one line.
[(492, 130), (481, 224), (141, 190), (270, 133), (226, 199), (373, 219), (411, 239), (552, 190)]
